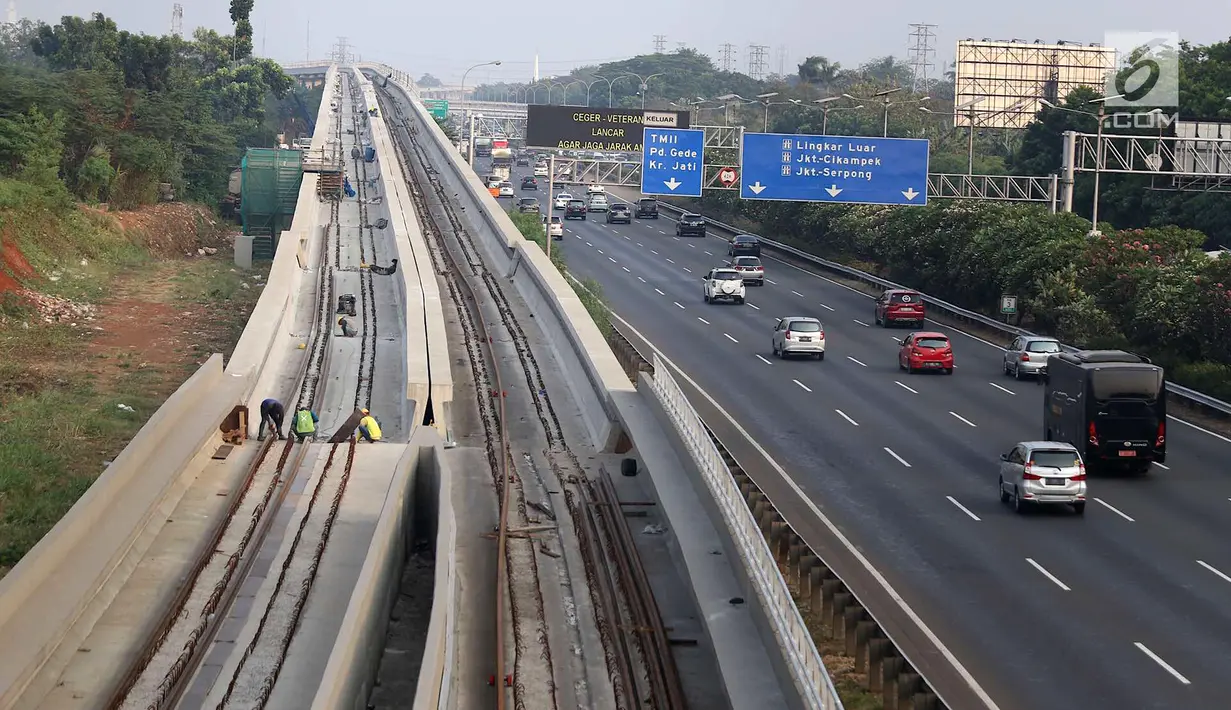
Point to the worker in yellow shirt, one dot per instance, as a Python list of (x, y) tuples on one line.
[(369, 428)]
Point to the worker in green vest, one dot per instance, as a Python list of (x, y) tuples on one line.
[(305, 424), (369, 428)]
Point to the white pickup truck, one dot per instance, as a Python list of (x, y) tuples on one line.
[(723, 284)]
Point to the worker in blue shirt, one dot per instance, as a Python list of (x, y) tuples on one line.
[(272, 413), (305, 424)]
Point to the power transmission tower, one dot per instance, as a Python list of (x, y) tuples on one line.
[(728, 56), (921, 51), (756, 60), (660, 43), (341, 52), (781, 53), (177, 20)]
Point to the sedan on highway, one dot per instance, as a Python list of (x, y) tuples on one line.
[(620, 212), (506, 190), (690, 225), (598, 203), (529, 183), (926, 350), (1027, 355), (556, 230), (541, 171), (562, 200), (527, 204), (744, 245), (751, 268), (799, 335), (1043, 473)]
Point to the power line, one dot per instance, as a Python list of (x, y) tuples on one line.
[(660, 43), (728, 57), (756, 60), (921, 51)]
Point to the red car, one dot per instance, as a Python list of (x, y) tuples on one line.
[(900, 306), (926, 350)]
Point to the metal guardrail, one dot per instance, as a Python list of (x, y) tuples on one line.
[(1190, 396), (799, 651)]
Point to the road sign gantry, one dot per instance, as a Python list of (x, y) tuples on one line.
[(837, 169), (673, 162)]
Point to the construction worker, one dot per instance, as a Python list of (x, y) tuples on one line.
[(272, 412), (305, 424), (369, 427), (348, 330)]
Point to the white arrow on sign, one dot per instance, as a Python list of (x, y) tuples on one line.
[(757, 187), (833, 190), (672, 183), (910, 193)]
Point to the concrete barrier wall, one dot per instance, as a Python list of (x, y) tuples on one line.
[(45, 596), (351, 671), (590, 367), (428, 370)]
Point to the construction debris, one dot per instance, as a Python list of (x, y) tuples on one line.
[(55, 309)]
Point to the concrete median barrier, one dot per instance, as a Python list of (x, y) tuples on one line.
[(51, 599)]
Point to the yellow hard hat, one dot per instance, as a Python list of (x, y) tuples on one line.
[(364, 411), (341, 321)]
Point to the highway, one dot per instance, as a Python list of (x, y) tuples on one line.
[(1126, 607)]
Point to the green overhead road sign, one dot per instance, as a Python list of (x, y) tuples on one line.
[(437, 107)]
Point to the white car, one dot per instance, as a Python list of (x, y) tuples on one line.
[(598, 203), (506, 190), (723, 284), (596, 190), (556, 231), (541, 171), (799, 335), (562, 200)]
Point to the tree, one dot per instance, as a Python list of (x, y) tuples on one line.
[(241, 15), (819, 71), (429, 81)]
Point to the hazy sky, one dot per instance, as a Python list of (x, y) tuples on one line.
[(445, 38)]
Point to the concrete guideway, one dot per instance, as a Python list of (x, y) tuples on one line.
[(902, 466)]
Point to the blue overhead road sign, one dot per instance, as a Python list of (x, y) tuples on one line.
[(873, 171), (672, 161)]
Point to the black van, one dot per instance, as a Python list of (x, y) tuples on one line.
[(647, 207)]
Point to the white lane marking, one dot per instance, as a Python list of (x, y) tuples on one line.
[(1163, 467), (901, 460), (730, 338), (772, 281), (612, 260), (1002, 389), (626, 269), (1215, 570), (1113, 509), (654, 252), (640, 244), (1203, 430), (767, 362), (802, 385), (848, 357), (710, 253), (600, 251), (678, 304), (822, 305), (797, 293), (865, 324), (1049, 575), (575, 236), (642, 280), (963, 508), (660, 293), (962, 419), (589, 244), (703, 320), (750, 305), (1167, 667), (688, 269), (847, 418), (908, 389), (812, 507), (692, 246), (670, 261)]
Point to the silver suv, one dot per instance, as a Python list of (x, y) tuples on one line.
[(1043, 473), (1028, 354)]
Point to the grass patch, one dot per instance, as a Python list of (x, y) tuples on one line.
[(590, 293), (61, 388)]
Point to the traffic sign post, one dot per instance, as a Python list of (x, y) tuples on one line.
[(672, 162), (728, 176), (439, 108), (841, 169)]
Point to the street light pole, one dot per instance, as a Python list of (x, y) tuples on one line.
[(1098, 148), (470, 152)]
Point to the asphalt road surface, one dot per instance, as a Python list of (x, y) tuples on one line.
[(1126, 607)]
